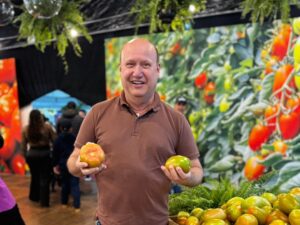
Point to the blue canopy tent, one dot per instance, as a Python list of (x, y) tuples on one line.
[(52, 103)]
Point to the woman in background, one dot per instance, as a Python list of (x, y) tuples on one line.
[(37, 139)]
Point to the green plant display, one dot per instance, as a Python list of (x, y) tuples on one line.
[(241, 85), (43, 32)]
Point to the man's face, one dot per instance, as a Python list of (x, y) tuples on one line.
[(139, 68), (180, 107)]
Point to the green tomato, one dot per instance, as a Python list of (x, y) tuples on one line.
[(297, 52), (179, 161), (296, 26), (224, 105), (297, 80)]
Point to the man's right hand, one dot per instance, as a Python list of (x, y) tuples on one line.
[(85, 170)]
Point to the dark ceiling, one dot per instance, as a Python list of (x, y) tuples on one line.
[(108, 16)]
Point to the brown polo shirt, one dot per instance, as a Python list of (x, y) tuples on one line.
[(133, 190)]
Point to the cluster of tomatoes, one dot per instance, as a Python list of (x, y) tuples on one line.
[(209, 88), (10, 128), (281, 118), (268, 208)]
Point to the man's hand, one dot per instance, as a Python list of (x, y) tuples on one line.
[(192, 178), (85, 170)]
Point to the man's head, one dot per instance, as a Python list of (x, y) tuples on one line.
[(139, 68), (180, 104), (71, 105)]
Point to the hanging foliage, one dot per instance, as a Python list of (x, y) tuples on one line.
[(261, 9), (166, 15), (42, 32)]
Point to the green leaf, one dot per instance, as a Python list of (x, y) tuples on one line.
[(290, 183), (289, 170), (271, 159), (266, 89), (247, 63)]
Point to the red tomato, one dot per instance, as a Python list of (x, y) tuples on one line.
[(253, 170), (289, 125), (281, 42), (7, 70), (17, 164), (270, 117), (209, 93), (200, 80), (280, 77), (175, 49), (258, 135), (9, 144)]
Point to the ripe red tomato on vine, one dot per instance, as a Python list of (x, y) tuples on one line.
[(209, 93), (258, 135), (281, 42), (280, 77), (289, 125), (200, 80)]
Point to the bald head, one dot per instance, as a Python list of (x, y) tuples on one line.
[(140, 43)]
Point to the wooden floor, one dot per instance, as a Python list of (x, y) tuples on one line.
[(33, 214)]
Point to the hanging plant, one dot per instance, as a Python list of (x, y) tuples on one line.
[(166, 15), (42, 32), (261, 9)]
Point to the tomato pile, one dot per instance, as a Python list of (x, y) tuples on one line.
[(266, 209), (10, 128)]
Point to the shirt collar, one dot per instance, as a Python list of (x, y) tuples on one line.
[(155, 106)]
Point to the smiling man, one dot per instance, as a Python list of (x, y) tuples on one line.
[(138, 133)]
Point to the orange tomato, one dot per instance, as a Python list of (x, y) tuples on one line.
[(253, 170), (280, 146)]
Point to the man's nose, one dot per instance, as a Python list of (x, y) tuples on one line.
[(138, 70)]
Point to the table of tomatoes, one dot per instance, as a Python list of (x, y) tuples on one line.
[(264, 209)]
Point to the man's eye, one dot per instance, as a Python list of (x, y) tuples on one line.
[(147, 65), (129, 64)]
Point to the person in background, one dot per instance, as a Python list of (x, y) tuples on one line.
[(62, 149), (180, 105), (138, 133), (68, 113), (9, 211), (37, 139)]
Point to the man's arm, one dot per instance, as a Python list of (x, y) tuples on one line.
[(190, 179)]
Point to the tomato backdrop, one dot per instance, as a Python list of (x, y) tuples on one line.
[(242, 85), (11, 161)]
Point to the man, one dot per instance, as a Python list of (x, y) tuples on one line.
[(138, 133), (180, 105)]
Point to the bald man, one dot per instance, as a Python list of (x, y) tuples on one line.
[(138, 133)]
